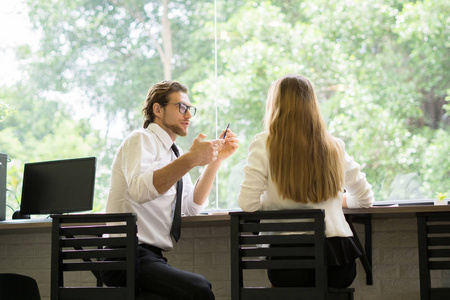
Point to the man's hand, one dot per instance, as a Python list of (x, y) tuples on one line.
[(229, 147), (205, 152)]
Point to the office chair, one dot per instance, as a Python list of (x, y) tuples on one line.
[(433, 230), (302, 248), (80, 242), (18, 287)]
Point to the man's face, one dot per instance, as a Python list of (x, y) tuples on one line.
[(174, 122)]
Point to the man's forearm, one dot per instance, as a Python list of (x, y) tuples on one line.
[(166, 177), (205, 182), (201, 153)]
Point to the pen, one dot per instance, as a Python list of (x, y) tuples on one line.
[(225, 134)]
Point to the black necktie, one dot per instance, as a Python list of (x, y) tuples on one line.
[(176, 224)]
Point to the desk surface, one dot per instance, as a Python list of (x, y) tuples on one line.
[(222, 218), (397, 211)]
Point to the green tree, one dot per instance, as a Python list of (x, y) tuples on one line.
[(5, 111), (42, 130), (380, 69), (366, 75)]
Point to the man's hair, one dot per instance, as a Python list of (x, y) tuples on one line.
[(306, 161), (158, 94)]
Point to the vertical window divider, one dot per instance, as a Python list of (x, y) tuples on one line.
[(215, 94)]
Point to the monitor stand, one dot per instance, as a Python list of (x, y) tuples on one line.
[(18, 215)]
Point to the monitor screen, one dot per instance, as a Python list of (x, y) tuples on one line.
[(60, 186)]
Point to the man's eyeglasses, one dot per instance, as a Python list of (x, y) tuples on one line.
[(183, 108)]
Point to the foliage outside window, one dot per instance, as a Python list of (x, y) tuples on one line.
[(380, 69)]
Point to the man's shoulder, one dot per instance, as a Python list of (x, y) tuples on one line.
[(152, 135), (137, 136), (139, 132)]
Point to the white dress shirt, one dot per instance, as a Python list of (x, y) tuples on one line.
[(132, 189), (259, 192)]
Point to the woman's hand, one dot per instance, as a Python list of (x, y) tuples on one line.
[(344, 200)]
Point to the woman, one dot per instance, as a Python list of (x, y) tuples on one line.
[(297, 164)]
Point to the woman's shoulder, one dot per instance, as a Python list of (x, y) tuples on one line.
[(259, 141), (258, 144), (262, 136), (340, 142)]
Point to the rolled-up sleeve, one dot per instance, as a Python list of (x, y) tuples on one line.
[(255, 175), (138, 168)]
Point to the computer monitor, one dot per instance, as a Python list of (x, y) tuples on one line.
[(60, 186)]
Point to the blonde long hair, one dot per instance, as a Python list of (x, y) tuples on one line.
[(306, 162)]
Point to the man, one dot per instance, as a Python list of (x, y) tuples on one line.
[(144, 180)]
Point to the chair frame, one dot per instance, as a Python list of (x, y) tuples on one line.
[(433, 232), (246, 254), (79, 243)]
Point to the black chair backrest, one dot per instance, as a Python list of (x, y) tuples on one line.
[(81, 242), (18, 287), (433, 231), (297, 241)]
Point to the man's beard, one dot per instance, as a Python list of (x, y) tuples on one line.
[(175, 129)]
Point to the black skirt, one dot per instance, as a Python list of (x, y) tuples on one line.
[(341, 251), (341, 255)]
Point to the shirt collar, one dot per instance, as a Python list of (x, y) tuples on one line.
[(162, 135)]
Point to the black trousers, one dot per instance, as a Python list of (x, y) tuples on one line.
[(159, 279)]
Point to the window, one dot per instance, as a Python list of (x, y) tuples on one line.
[(380, 69)]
